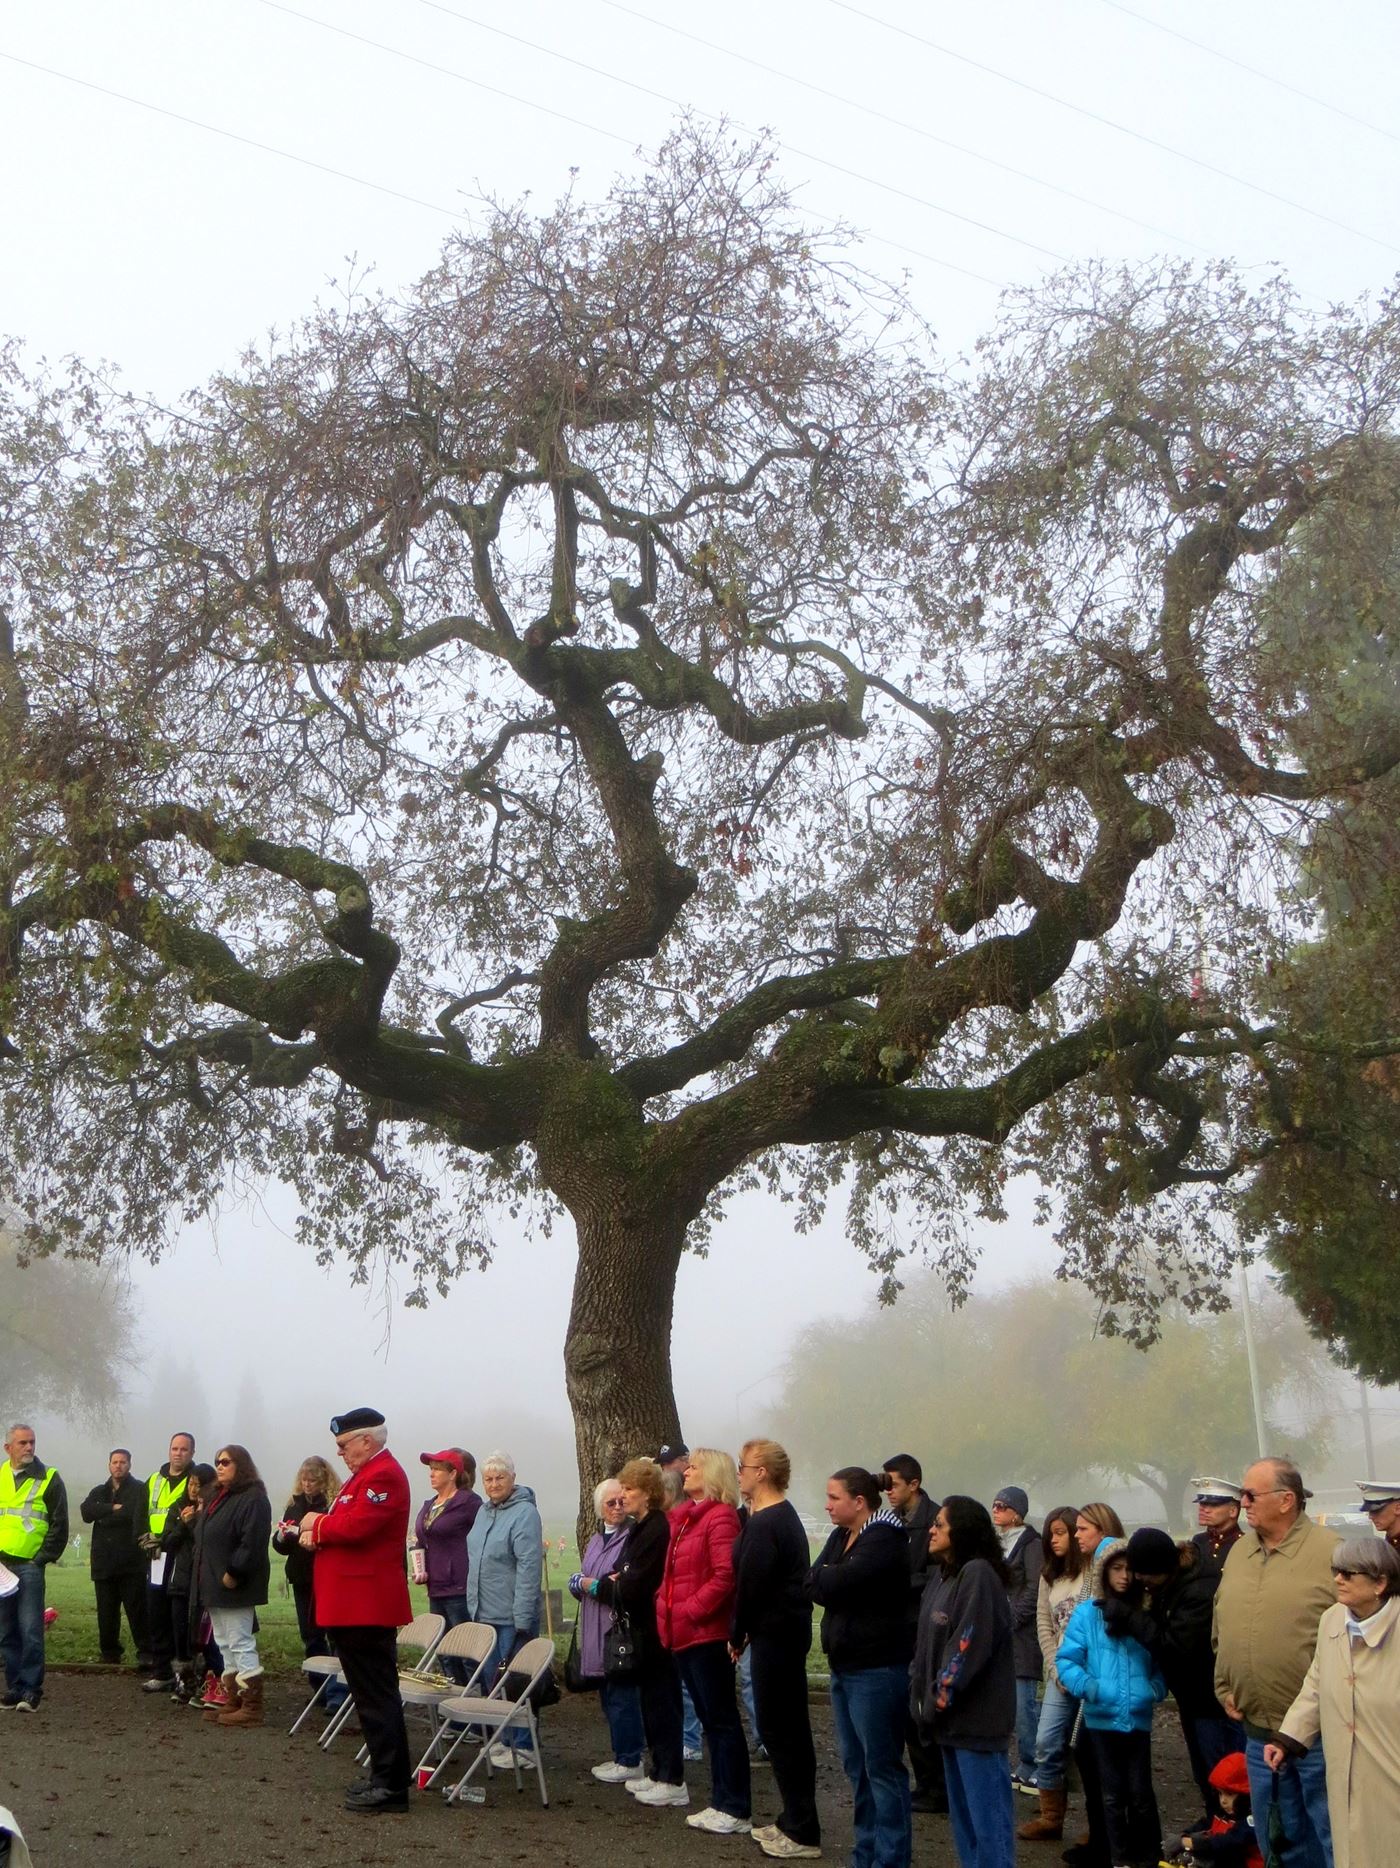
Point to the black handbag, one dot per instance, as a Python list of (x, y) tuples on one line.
[(575, 1679), (620, 1649)]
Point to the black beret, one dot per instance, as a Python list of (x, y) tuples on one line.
[(356, 1420)]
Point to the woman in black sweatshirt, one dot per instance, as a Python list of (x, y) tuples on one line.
[(963, 1682), (861, 1580), (773, 1619)]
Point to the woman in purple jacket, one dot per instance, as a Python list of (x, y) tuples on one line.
[(440, 1532), (622, 1705)]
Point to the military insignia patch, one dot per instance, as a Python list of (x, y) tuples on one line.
[(376, 1498)]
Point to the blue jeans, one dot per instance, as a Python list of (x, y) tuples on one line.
[(691, 1735), (1027, 1726), (1301, 1789), (506, 1644), (22, 1629), (868, 1708), (1058, 1712), (622, 1708), (744, 1671), (979, 1806), (453, 1610)]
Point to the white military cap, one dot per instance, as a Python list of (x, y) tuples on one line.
[(1376, 1494), (1216, 1492)]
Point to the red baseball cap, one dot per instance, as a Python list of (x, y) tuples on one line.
[(448, 1457)]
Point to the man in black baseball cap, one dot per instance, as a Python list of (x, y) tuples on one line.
[(673, 1458)]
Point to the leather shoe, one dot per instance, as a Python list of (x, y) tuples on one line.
[(925, 1803), (375, 1800)]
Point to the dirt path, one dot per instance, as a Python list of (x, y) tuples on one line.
[(108, 1778)]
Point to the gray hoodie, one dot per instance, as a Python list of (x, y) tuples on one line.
[(503, 1563)]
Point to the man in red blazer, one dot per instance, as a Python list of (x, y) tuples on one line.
[(362, 1598)]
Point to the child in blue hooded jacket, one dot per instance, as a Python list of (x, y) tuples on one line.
[(1100, 1663)]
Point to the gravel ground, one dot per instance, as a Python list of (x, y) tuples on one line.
[(106, 1776)]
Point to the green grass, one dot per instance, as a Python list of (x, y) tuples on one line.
[(72, 1640)]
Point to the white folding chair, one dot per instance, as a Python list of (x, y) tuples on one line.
[(497, 1717), (472, 1642), (424, 1631), (322, 1667)]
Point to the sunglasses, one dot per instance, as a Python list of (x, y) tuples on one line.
[(1346, 1575), (1248, 1497), (223, 1462)]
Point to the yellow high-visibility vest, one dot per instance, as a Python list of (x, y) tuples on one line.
[(24, 1512), (160, 1496)]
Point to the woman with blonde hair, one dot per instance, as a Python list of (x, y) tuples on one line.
[(693, 1609), (630, 1590), (1095, 1525), (316, 1485), (772, 1618)]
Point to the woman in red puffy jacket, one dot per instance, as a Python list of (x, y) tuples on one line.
[(693, 1608)]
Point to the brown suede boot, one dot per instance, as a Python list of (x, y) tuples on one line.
[(214, 1714), (1049, 1826), (249, 1710)]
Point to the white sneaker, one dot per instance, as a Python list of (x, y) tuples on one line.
[(664, 1797), (765, 1832), (611, 1773), (782, 1848), (638, 1784), (503, 1759), (719, 1823)]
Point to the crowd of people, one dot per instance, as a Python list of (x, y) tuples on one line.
[(967, 1651)]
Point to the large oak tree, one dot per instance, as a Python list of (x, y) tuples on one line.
[(618, 722)]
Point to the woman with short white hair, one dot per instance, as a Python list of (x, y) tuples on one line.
[(1351, 1700), (622, 1706), (504, 1549)]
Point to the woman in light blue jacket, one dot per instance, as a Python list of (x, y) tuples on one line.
[(504, 1549), (1115, 1677)]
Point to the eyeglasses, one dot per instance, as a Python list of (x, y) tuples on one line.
[(746, 1465), (614, 1504)]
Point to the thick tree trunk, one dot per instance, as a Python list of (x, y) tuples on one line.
[(617, 1354)]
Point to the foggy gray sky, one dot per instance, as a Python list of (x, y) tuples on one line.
[(164, 247)]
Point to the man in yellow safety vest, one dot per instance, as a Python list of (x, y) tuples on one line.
[(33, 1534), (165, 1492)]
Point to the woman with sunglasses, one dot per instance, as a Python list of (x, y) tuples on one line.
[(234, 1566), (622, 1706), (1351, 1700)]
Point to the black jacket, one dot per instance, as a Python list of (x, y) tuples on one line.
[(771, 1560), (962, 1686), (634, 1592), (1025, 1560), (300, 1563), (863, 1591), (1175, 1628), (115, 1517), (231, 1538), (921, 1565)]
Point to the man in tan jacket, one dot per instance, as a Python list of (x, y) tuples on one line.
[(1274, 1590)]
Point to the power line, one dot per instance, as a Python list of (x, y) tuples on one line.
[(1267, 77), (1123, 129), (446, 71), (881, 116), (233, 136)]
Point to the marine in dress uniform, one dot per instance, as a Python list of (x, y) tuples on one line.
[(362, 1599), (1218, 1504), (1380, 1500)]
